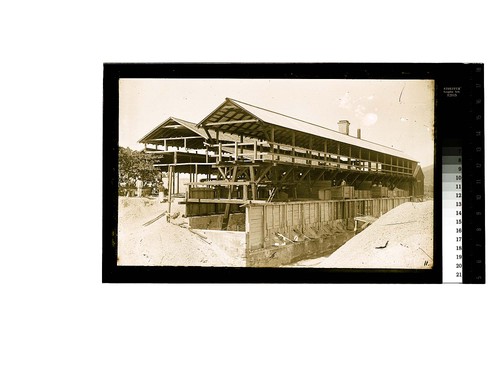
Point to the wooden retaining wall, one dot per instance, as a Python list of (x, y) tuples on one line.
[(263, 221)]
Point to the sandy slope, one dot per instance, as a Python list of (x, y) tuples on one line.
[(408, 232), (161, 243)]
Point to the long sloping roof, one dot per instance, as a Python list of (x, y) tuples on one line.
[(298, 125)]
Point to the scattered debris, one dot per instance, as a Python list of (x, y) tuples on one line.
[(404, 222), (155, 219), (382, 247), (164, 244), (405, 244), (283, 237)]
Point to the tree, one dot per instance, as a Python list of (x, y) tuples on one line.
[(133, 164)]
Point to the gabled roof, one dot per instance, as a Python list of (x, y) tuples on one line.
[(244, 120), (173, 127)]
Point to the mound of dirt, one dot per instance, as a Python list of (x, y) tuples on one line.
[(402, 238), (162, 243)]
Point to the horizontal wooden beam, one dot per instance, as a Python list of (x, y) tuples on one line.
[(181, 164), (179, 138), (218, 201), (219, 183), (230, 122)]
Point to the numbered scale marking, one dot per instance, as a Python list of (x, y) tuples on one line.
[(452, 215)]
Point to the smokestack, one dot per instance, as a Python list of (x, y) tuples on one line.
[(359, 133), (344, 126)]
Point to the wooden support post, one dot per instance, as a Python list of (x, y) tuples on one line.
[(310, 149), (254, 185), (170, 187), (233, 179), (338, 154), (178, 182), (245, 193), (264, 225), (272, 143), (349, 160)]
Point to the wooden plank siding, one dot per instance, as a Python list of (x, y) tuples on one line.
[(263, 221)]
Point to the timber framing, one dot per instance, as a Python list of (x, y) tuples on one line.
[(250, 154)]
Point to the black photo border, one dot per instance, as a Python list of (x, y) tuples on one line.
[(458, 118)]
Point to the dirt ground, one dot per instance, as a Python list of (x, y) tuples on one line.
[(402, 238), (161, 243)]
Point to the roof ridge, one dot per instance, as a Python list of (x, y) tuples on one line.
[(182, 120), (278, 113), (311, 123)]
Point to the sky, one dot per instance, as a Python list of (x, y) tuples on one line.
[(394, 113)]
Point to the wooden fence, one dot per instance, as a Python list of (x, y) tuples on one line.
[(264, 220)]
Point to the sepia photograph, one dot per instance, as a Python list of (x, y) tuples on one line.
[(289, 173)]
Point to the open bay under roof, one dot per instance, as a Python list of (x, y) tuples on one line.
[(243, 119), (181, 133)]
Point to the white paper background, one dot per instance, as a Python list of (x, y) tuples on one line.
[(57, 317)]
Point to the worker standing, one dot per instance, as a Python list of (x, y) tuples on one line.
[(161, 190), (139, 185)]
